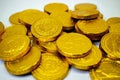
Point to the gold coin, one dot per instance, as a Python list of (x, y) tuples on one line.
[(87, 62), (83, 6), (14, 18), (110, 44), (113, 20), (49, 46), (73, 45), (29, 16), (85, 14), (114, 28), (46, 29), (52, 67), (14, 47), (1, 28), (107, 69), (55, 7), (14, 30), (94, 29), (65, 18), (25, 64)]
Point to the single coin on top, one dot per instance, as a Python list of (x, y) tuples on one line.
[(14, 47), (73, 45), (46, 29), (55, 7), (82, 6)]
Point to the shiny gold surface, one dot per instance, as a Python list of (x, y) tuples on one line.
[(73, 45), (94, 29), (110, 43), (85, 14), (65, 18), (107, 70), (14, 18), (82, 6), (55, 7), (114, 28), (50, 46), (14, 47), (25, 64), (52, 67), (46, 29), (29, 16), (87, 62), (14, 30), (113, 20)]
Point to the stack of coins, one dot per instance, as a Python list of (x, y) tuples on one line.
[(46, 43)]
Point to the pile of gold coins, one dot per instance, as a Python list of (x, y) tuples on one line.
[(47, 43)]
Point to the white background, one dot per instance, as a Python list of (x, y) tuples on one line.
[(109, 8)]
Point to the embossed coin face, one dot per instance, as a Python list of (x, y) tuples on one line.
[(25, 64), (46, 29), (52, 67), (113, 20), (14, 47), (114, 28), (55, 7), (107, 69), (110, 43), (85, 63), (73, 44)]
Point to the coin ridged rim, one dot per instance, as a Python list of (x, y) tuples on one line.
[(105, 47)]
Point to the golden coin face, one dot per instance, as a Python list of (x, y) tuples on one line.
[(114, 28), (113, 20), (96, 26), (52, 67), (107, 70), (82, 6), (14, 47), (14, 30), (14, 18), (64, 18), (1, 28), (85, 14), (110, 44), (73, 44), (29, 16), (25, 64), (55, 7), (93, 58), (46, 29)]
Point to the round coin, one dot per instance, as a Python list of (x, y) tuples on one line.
[(52, 67), (55, 7), (87, 62), (73, 45), (46, 29), (14, 47), (25, 64)]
